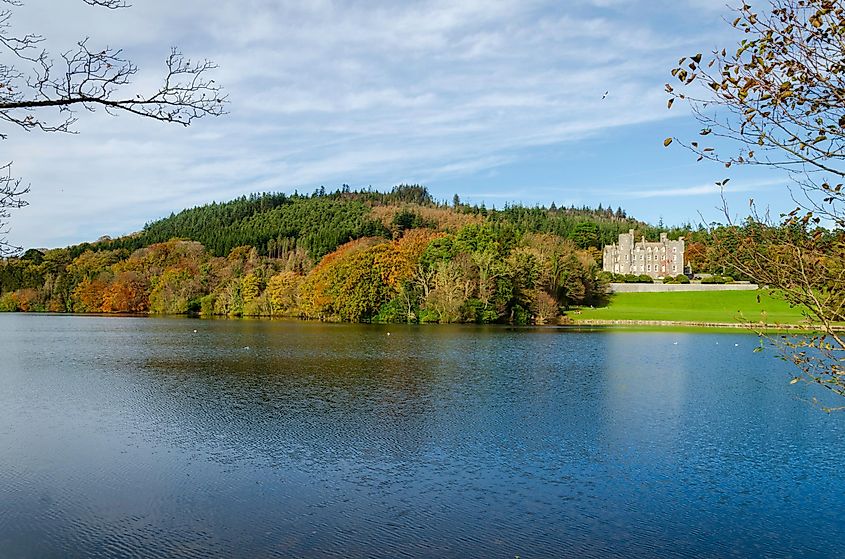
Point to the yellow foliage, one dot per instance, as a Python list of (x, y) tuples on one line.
[(314, 298), (153, 260), (283, 289), (250, 288)]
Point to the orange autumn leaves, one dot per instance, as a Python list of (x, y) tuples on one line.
[(178, 276), (353, 282), (146, 281), (481, 273)]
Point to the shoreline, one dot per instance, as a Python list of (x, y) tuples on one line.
[(564, 322), (694, 324)]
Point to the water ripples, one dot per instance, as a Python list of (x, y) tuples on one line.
[(141, 437)]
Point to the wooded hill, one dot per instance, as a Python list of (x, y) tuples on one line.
[(318, 223), (344, 255)]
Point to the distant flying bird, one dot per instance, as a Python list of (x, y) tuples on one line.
[(605, 94)]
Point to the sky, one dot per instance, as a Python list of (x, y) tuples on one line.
[(501, 102)]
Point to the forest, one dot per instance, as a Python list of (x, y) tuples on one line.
[(396, 256)]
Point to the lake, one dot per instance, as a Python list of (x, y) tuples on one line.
[(246, 438)]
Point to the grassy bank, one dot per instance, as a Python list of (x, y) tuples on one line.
[(690, 306)]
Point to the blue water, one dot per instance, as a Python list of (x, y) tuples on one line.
[(140, 437)]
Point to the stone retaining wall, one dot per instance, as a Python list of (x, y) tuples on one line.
[(671, 287)]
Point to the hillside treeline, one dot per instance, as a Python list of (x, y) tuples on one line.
[(483, 272), (347, 255), (318, 223)]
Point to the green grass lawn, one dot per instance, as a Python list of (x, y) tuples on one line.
[(691, 306)]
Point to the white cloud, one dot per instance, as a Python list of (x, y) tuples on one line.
[(704, 189), (325, 92)]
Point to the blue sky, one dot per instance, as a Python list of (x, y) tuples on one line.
[(498, 101)]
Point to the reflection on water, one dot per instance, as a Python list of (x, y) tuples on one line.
[(127, 436)]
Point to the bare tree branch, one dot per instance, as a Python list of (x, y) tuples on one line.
[(38, 92), (110, 4), (12, 192)]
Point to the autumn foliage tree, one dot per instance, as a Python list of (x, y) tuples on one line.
[(283, 289), (777, 100), (127, 293)]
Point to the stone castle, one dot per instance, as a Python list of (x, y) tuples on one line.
[(656, 259)]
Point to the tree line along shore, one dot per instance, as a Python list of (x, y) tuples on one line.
[(361, 256)]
